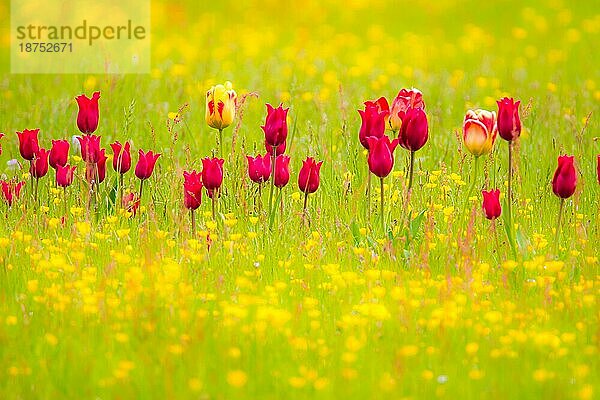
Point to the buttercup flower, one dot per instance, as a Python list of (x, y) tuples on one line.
[(381, 155), (220, 106), (308, 178), (87, 117), (491, 203), (479, 131), (59, 153), (145, 164), (373, 118), (565, 177), (121, 157), (192, 188), (28, 143), (406, 98), (509, 122), (275, 127)]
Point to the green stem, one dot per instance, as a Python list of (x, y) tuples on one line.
[(509, 228), (305, 202), (141, 188), (193, 216), (411, 169), (274, 156), (382, 209), (558, 226), (214, 201), (368, 197), (65, 201), (221, 143)]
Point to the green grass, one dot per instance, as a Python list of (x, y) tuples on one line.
[(139, 308)]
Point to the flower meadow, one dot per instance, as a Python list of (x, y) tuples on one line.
[(380, 200)]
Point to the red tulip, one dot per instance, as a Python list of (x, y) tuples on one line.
[(102, 165), (308, 178), (131, 203), (414, 130), (145, 164), (11, 190), (90, 148), (59, 153), (406, 98), (28, 143), (39, 165), (381, 155), (509, 123), (565, 177), (373, 120), (491, 203), (64, 175), (121, 157), (278, 150), (192, 190), (259, 168), (282, 171), (598, 168), (87, 117), (275, 127), (212, 174)]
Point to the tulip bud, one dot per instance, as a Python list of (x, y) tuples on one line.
[(406, 98), (491, 204), (131, 203), (87, 117), (59, 153), (565, 177), (282, 171), (275, 127), (39, 165), (192, 190), (509, 123), (308, 178), (145, 164), (479, 131), (212, 174), (121, 157), (28, 143), (373, 118), (11, 190), (414, 130), (64, 175), (259, 168), (381, 155), (220, 106)]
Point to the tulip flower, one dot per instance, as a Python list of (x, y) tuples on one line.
[(28, 143), (564, 183), (90, 148), (276, 131), (373, 120), (381, 163), (212, 178), (102, 165), (259, 168), (509, 128), (413, 134), (220, 108), (64, 175), (64, 178), (131, 203), (278, 150), (308, 178), (491, 204), (11, 190), (282, 171), (121, 157), (406, 98), (87, 117), (39, 165), (479, 131), (192, 193), (59, 153), (145, 167)]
